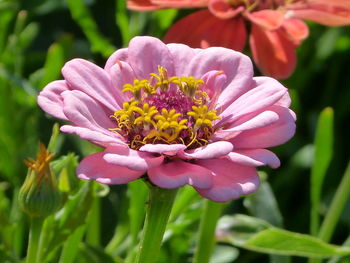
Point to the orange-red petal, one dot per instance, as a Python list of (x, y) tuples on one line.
[(223, 9), (273, 53), (180, 3), (344, 3), (202, 29), (141, 5), (295, 30), (267, 19), (326, 14)]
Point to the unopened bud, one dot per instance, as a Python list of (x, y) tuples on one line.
[(39, 195)]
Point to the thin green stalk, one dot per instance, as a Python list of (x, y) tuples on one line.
[(44, 236), (337, 205), (93, 235), (206, 240), (158, 210), (34, 236)]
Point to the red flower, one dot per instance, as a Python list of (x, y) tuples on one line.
[(275, 26)]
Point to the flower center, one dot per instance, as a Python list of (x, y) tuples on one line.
[(165, 110), (259, 4)]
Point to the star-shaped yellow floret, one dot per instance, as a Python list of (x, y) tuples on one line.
[(168, 127), (146, 114), (188, 85), (127, 113), (162, 79), (202, 116), (136, 88)]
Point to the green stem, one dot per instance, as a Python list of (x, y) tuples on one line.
[(158, 210), (93, 235), (336, 207), (206, 240), (34, 236)]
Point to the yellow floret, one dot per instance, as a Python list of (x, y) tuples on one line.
[(202, 116), (146, 115), (136, 88), (168, 127)]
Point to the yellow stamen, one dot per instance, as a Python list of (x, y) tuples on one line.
[(162, 78), (168, 127), (146, 115), (202, 116), (136, 88), (188, 85)]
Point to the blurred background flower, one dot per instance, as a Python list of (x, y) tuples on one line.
[(274, 28)]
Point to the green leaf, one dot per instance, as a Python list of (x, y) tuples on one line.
[(73, 215), (186, 197), (7, 257), (257, 235), (7, 12), (65, 169), (263, 204), (71, 246), (224, 254), (323, 155), (93, 254), (82, 16), (55, 60)]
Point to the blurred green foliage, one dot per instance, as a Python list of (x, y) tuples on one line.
[(38, 36)]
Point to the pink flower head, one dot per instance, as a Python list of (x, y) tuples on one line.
[(177, 114), (276, 26)]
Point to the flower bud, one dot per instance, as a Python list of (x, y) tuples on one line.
[(39, 195)]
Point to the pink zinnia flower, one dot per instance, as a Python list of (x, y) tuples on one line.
[(276, 27), (175, 114)]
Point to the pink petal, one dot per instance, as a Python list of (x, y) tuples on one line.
[(237, 68), (167, 149), (285, 100), (85, 112), (115, 58), (266, 19), (50, 99), (269, 136), (121, 73), (135, 160), (295, 29), (208, 30), (247, 122), (215, 81), (181, 55), (328, 14), (177, 173), (210, 151), (223, 10), (230, 180), (87, 77), (266, 92), (145, 54), (254, 157), (93, 167), (96, 137)]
